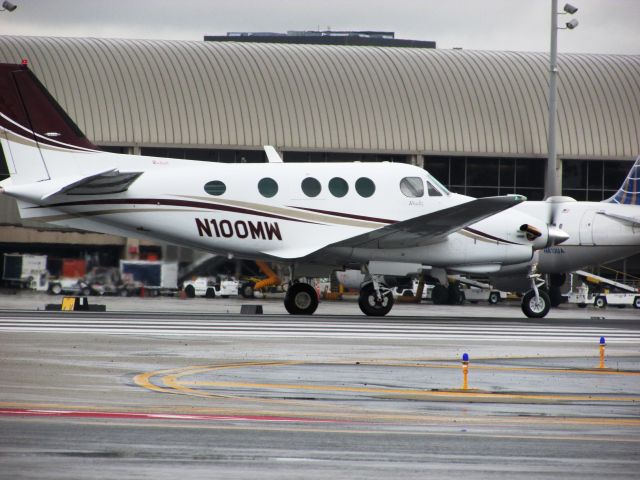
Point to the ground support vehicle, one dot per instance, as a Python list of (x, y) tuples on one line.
[(602, 292), (25, 271), (210, 287), (148, 278)]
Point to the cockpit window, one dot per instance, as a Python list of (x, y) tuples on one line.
[(438, 186), (433, 191), (412, 187)]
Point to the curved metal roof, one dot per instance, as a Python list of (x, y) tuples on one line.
[(333, 98)]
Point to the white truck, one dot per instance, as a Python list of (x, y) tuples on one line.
[(624, 295), (210, 287), (26, 271)]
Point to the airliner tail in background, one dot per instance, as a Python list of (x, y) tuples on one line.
[(629, 192)]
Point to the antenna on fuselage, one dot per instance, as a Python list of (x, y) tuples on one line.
[(272, 154)]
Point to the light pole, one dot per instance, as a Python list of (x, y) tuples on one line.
[(552, 180)]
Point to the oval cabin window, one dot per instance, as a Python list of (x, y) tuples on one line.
[(215, 187), (267, 187), (365, 187), (311, 187), (338, 187)]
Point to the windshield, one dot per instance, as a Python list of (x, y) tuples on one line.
[(437, 184)]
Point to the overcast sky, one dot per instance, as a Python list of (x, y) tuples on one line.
[(606, 26)]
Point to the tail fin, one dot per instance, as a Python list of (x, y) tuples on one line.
[(629, 193), (32, 123)]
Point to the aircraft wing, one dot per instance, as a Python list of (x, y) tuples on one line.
[(432, 227)]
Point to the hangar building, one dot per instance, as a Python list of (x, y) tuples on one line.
[(475, 119)]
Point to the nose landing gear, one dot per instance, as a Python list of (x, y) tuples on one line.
[(376, 299), (536, 302)]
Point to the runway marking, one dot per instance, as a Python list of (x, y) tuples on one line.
[(423, 420), (171, 379), (156, 416), (391, 328), (409, 392)]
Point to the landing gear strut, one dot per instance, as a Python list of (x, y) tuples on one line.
[(536, 303), (375, 298)]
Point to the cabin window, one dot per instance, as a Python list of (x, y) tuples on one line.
[(412, 187), (365, 187), (215, 187), (311, 187), (338, 187), (267, 187), (433, 191)]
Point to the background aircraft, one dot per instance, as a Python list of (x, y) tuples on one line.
[(599, 232)]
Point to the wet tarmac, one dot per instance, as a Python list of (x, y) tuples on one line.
[(199, 392)]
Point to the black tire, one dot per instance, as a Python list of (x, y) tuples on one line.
[(494, 297), (190, 291), (439, 295), (301, 299), (600, 302), (371, 306), (247, 290), (123, 292), (536, 309), (455, 296), (55, 289), (636, 302), (210, 293)]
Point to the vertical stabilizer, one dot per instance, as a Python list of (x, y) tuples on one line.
[(629, 192), (32, 124)]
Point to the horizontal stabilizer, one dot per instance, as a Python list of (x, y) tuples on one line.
[(432, 227), (103, 183), (633, 221)]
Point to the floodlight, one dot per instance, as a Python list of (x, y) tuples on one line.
[(7, 5), (572, 24), (570, 9)]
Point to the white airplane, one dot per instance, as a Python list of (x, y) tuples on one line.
[(386, 218), (599, 232)]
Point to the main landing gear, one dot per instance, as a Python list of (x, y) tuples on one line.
[(301, 299), (536, 302)]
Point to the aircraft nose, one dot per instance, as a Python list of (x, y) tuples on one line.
[(556, 236)]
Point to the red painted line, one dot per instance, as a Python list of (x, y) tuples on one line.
[(155, 416)]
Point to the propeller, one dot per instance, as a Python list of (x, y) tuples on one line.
[(556, 235)]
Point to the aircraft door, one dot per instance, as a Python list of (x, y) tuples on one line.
[(586, 227)]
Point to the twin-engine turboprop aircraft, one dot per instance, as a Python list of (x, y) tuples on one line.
[(599, 232), (384, 218)]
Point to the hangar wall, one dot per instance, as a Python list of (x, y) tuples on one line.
[(475, 119), (334, 98)]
